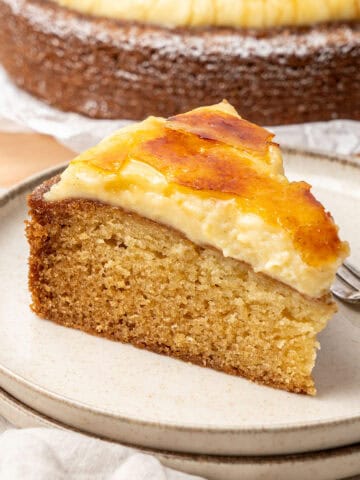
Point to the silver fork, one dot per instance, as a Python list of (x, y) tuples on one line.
[(347, 284)]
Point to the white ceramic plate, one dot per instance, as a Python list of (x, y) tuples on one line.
[(125, 394), (332, 464)]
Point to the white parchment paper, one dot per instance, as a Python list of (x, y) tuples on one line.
[(20, 111)]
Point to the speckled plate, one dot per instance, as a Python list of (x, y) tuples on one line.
[(333, 464), (119, 392)]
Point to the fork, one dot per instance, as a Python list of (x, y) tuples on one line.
[(347, 284)]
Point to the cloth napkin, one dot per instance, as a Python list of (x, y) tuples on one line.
[(51, 454)]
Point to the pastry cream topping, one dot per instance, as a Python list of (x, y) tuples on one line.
[(233, 13), (219, 180)]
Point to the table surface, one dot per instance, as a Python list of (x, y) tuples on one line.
[(23, 154)]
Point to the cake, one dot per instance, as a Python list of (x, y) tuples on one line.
[(276, 61), (184, 237)]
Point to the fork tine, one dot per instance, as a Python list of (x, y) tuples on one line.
[(340, 293), (346, 279), (352, 269), (345, 293), (354, 297), (346, 275), (347, 284)]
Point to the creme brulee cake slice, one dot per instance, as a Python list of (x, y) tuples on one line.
[(183, 236)]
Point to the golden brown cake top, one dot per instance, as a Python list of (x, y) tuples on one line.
[(234, 13)]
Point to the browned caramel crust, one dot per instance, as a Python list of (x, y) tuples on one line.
[(111, 69), (222, 127), (203, 165)]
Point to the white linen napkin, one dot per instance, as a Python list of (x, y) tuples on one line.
[(47, 453)]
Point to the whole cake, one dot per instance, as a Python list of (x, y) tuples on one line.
[(184, 237), (276, 61)]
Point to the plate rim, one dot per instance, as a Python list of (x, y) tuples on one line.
[(241, 459), (30, 183)]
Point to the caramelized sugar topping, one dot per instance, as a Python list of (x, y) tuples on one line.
[(205, 165), (222, 127), (208, 152)]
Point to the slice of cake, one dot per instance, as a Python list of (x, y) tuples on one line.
[(184, 237)]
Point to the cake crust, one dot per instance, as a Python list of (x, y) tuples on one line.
[(54, 224), (107, 68)]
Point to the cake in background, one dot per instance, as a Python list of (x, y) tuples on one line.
[(184, 237), (276, 61)]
